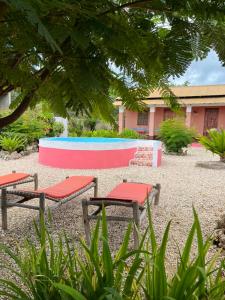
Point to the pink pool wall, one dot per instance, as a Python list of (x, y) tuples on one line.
[(85, 159), (94, 155)]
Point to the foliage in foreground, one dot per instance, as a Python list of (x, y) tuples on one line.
[(215, 142), (73, 53), (58, 269), (175, 135)]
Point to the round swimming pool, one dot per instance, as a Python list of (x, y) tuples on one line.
[(87, 152)]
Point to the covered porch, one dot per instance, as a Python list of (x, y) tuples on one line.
[(199, 117)]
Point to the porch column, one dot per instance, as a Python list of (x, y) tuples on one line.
[(188, 116), (151, 122), (121, 118)]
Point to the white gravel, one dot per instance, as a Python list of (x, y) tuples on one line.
[(183, 185)]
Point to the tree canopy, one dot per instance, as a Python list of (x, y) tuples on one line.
[(74, 53)]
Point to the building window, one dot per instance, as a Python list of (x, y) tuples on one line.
[(142, 118)]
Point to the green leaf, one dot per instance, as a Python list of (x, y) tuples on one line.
[(70, 291)]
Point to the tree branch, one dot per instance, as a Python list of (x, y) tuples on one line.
[(18, 111), (3, 9), (135, 4), (22, 107), (5, 91)]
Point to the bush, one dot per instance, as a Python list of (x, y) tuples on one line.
[(12, 143), (175, 135), (130, 134), (87, 133), (35, 124), (32, 128), (104, 133), (215, 142), (75, 128), (56, 269), (90, 123), (127, 133), (57, 128)]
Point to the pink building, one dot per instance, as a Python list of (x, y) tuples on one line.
[(203, 107)]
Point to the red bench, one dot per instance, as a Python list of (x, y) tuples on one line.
[(60, 193), (127, 194)]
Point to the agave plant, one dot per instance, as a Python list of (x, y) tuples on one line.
[(215, 142)]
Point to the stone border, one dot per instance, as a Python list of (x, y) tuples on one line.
[(5, 155)]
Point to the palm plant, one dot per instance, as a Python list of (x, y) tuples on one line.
[(215, 142)]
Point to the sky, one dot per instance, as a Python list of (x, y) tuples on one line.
[(207, 71)]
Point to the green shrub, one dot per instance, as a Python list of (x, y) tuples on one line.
[(130, 134), (90, 123), (87, 133), (215, 142), (127, 133), (104, 133), (12, 143), (72, 134), (75, 126), (57, 269), (30, 127), (57, 128), (175, 135), (100, 133), (35, 124)]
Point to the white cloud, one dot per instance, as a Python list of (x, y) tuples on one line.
[(207, 71)]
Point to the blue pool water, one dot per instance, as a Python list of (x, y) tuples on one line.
[(89, 139)]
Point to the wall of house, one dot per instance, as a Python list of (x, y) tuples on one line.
[(159, 114), (221, 118), (131, 120), (197, 119)]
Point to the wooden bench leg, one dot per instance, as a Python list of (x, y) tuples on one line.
[(96, 187), (14, 186), (136, 216), (158, 187), (86, 221), (41, 205), (35, 181), (4, 209)]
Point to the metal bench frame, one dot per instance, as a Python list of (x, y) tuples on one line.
[(139, 211)]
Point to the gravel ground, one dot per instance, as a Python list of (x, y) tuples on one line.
[(183, 185)]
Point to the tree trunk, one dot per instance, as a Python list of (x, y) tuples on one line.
[(25, 102), (18, 111)]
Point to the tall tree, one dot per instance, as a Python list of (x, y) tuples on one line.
[(75, 52)]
